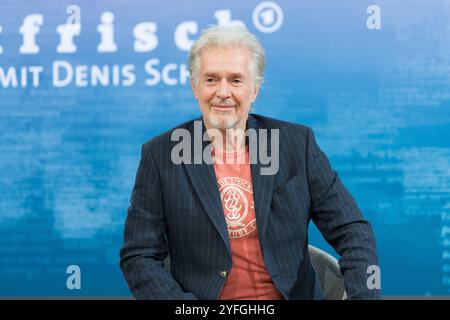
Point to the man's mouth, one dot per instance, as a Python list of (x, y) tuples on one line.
[(223, 106)]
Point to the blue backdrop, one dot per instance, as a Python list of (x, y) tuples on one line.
[(372, 81)]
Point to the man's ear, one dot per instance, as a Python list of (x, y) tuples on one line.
[(193, 88), (255, 93)]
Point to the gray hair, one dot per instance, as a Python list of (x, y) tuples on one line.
[(228, 37)]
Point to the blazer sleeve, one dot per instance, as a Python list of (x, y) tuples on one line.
[(337, 216), (145, 247)]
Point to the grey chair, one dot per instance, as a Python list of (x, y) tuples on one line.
[(328, 273)]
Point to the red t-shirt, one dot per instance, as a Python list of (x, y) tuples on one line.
[(248, 278)]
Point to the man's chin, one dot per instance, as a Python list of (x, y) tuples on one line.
[(222, 122)]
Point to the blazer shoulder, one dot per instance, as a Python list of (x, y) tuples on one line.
[(286, 128), (163, 140)]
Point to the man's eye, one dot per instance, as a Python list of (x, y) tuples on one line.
[(237, 80), (209, 80)]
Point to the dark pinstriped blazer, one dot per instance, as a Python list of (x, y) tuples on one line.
[(177, 210)]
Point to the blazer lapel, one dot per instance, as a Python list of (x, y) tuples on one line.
[(204, 180), (262, 184)]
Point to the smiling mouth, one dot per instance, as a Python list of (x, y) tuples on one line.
[(223, 106)]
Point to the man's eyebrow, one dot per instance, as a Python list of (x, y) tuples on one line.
[(237, 75), (232, 75)]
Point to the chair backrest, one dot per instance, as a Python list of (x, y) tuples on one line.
[(328, 273)]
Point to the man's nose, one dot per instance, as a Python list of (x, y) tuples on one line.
[(223, 91)]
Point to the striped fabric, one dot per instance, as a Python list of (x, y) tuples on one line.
[(176, 210)]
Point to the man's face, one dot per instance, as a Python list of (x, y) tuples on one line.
[(225, 87)]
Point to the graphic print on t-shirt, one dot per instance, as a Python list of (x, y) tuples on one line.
[(237, 199)]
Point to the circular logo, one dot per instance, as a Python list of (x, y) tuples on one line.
[(237, 200), (267, 17)]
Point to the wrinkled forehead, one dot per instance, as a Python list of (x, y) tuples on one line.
[(235, 60)]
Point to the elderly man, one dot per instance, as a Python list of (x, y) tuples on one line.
[(233, 231)]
